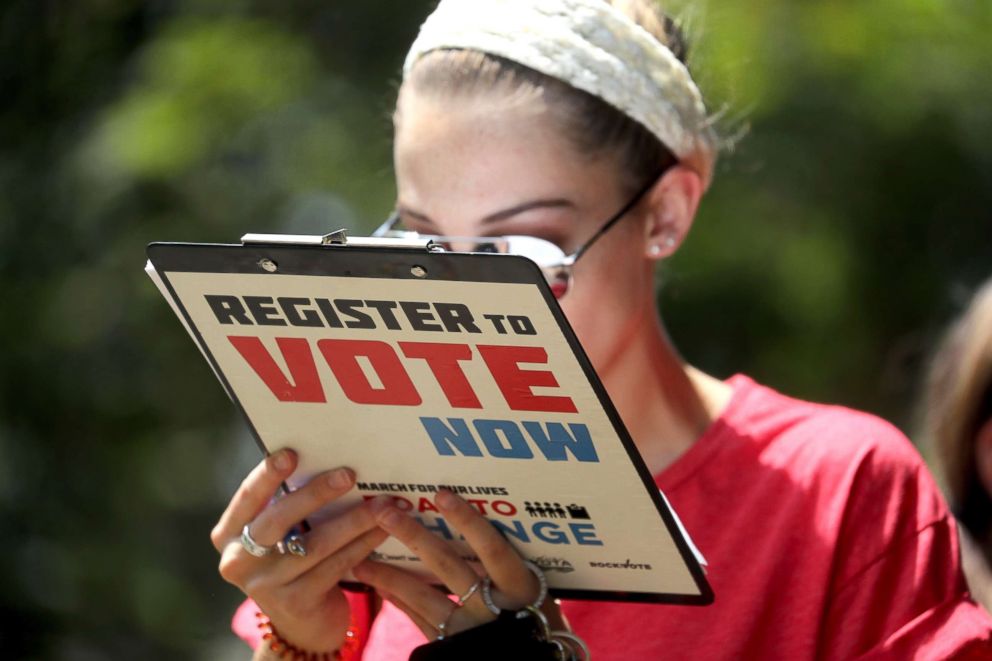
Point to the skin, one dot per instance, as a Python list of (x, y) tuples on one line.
[(471, 167)]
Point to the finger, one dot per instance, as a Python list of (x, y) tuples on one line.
[(327, 573), (324, 539), (254, 493), (332, 535), (275, 521), (438, 555), (501, 561), (429, 630), (406, 590), (425, 605)]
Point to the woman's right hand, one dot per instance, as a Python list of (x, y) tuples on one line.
[(300, 595)]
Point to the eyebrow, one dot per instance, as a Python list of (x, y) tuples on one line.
[(551, 203)]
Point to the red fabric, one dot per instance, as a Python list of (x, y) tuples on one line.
[(826, 538)]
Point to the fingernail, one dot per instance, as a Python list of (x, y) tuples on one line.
[(281, 460), (446, 500), (340, 478)]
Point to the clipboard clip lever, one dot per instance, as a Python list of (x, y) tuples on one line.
[(340, 238)]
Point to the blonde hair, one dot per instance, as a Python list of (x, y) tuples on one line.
[(650, 16), (592, 125), (958, 400)]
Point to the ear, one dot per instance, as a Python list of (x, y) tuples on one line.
[(983, 455), (672, 205)]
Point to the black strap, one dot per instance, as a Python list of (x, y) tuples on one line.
[(506, 637)]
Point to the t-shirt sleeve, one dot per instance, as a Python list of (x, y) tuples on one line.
[(897, 583), (910, 603)]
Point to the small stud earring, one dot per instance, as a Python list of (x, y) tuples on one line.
[(669, 241), (655, 250)]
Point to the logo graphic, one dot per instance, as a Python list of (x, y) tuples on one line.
[(545, 510), (627, 564), (548, 563)]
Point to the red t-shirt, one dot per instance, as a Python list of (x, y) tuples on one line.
[(825, 538)]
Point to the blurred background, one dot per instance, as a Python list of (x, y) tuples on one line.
[(845, 228)]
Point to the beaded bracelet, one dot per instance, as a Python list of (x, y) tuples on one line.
[(286, 649)]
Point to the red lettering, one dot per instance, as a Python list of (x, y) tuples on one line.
[(305, 385), (479, 505), (503, 507), (425, 505), (516, 384), (397, 388), (443, 360)]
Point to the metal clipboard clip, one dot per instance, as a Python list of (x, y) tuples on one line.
[(340, 238)]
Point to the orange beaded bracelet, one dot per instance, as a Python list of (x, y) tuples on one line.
[(286, 650)]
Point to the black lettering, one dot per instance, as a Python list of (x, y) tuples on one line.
[(455, 316), (347, 308), (385, 309), (418, 314), (228, 308), (497, 321), (290, 308), (264, 311), (330, 315), (522, 325)]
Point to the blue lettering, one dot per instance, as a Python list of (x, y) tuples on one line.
[(516, 445), (504, 439), (545, 531), (448, 439), (554, 536), (516, 531), (585, 533), (557, 441)]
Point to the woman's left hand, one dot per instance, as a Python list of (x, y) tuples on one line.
[(514, 586)]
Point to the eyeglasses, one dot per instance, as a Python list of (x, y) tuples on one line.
[(551, 259)]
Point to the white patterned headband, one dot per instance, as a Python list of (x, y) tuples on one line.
[(591, 46)]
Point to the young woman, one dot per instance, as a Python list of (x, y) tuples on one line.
[(959, 425), (577, 122)]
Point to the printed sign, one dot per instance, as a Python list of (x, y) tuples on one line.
[(426, 384)]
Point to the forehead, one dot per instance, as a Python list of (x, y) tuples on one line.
[(480, 153)]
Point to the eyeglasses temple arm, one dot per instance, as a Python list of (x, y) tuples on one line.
[(387, 224), (620, 214)]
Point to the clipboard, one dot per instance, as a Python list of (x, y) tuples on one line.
[(422, 368)]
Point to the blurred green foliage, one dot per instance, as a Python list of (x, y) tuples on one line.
[(841, 233)]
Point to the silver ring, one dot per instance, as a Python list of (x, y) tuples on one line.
[(574, 644), (441, 628), (468, 593), (487, 587), (253, 547)]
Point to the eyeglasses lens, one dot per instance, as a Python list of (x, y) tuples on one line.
[(548, 257)]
